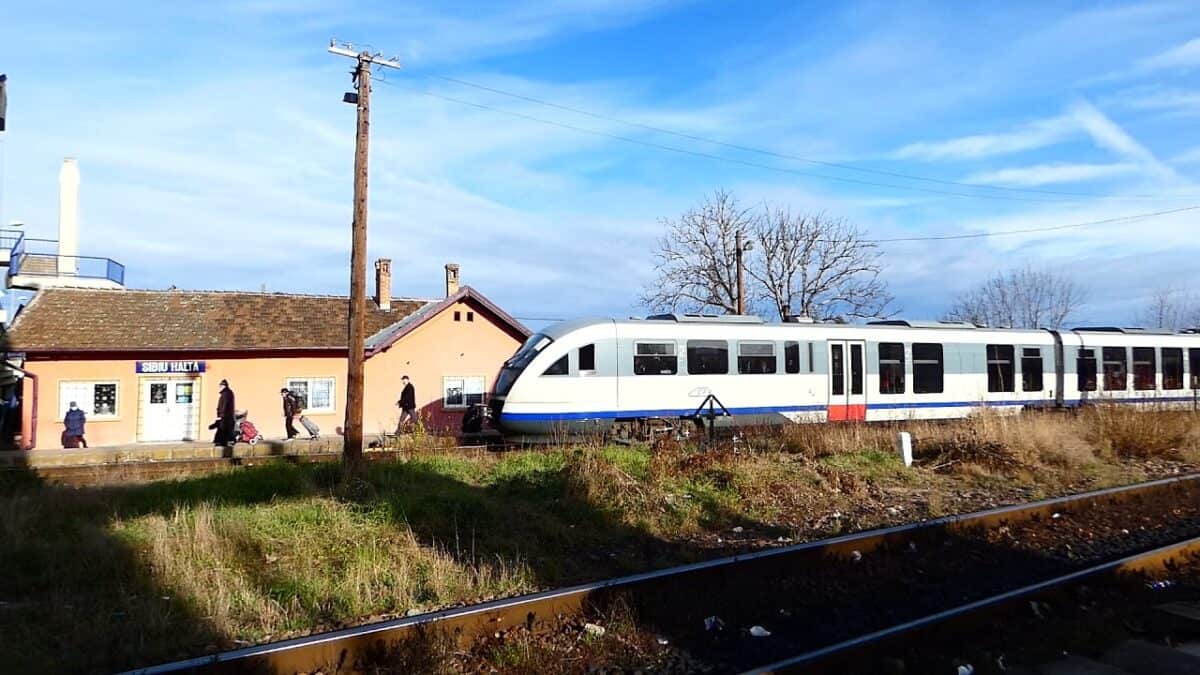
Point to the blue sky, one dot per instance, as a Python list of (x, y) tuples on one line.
[(216, 153)]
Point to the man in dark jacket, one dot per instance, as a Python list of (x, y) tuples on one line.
[(291, 408), (225, 416), (74, 421), (407, 405)]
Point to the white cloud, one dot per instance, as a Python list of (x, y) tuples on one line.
[(1108, 134), (1184, 56), (1049, 174), (1190, 156), (1037, 134)]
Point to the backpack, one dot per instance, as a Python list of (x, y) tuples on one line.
[(297, 409)]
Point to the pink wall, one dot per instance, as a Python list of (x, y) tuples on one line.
[(438, 348)]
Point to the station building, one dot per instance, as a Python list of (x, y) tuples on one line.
[(144, 365)]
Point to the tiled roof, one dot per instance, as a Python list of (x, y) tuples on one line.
[(72, 319)]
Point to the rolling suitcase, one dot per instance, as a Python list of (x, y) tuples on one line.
[(311, 427)]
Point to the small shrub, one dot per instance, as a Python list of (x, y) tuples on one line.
[(1133, 430)]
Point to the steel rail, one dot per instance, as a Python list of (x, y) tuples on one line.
[(338, 649), (837, 654)]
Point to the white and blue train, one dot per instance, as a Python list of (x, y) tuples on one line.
[(627, 378)]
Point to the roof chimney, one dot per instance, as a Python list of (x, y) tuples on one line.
[(451, 279), (68, 217), (383, 283)]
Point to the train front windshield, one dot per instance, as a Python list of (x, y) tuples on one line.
[(513, 367)]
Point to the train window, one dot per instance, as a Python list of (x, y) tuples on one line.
[(587, 357), (812, 364), (856, 370), (1143, 368), (559, 367), (1116, 376), (655, 358), (791, 357), (891, 368), (708, 357), (1172, 358), (1000, 368), (928, 374), (1194, 366), (756, 358), (837, 369), (1031, 369), (1085, 370)]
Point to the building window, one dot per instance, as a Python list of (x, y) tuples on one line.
[(756, 358), (470, 316), (891, 368), (1172, 365), (1000, 368), (791, 357), (1116, 376), (315, 394), (1143, 368), (1085, 370), (458, 316), (461, 391), (928, 373), (587, 358), (95, 399), (559, 367), (655, 358), (1031, 369), (708, 357)]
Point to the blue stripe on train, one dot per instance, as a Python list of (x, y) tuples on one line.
[(767, 410)]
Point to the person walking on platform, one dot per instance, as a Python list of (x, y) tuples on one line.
[(226, 422), (407, 405), (291, 408)]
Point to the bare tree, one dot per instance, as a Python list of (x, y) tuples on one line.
[(696, 258), (816, 266), (1020, 298), (1172, 309)]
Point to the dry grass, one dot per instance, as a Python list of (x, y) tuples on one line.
[(166, 570)]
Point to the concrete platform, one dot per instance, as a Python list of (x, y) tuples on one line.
[(169, 452)]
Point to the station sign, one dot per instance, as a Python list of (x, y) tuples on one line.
[(169, 367)]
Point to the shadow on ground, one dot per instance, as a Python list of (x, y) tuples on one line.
[(78, 595)]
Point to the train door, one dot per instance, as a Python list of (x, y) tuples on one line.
[(847, 386)]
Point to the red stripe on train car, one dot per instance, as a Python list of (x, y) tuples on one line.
[(847, 413)]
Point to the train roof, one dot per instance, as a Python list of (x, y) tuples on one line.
[(562, 328)]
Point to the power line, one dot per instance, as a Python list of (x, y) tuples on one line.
[(1053, 228), (782, 155), (719, 158)]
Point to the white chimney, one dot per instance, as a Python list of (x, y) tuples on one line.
[(68, 218)]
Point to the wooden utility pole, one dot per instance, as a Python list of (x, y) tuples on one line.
[(352, 451), (741, 273)]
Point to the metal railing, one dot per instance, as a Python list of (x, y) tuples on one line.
[(81, 266), (9, 238)]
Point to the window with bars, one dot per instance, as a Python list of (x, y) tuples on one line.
[(96, 399), (462, 391), (315, 394)]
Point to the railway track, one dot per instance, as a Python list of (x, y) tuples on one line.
[(821, 602)]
